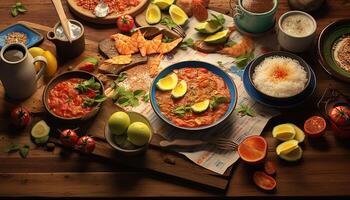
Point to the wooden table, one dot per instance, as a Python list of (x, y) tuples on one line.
[(323, 171)]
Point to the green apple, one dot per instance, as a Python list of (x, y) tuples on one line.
[(118, 123), (139, 133)]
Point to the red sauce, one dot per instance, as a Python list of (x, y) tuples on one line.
[(65, 101), (201, 85)]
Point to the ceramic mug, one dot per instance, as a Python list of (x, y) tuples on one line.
[(253, 22), (294, 43), (64, 48), (17, 71)]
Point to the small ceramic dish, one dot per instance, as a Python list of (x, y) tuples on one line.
[(328, 39), (296, 43), (33, 36), (63, 77), (195, 64), (111, 139), (260, 59)]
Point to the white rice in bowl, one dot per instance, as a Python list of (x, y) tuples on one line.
[(279, 76)]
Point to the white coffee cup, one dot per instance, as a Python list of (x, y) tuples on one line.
[(293, 42)]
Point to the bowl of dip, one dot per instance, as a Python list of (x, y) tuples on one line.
[(296, 31)]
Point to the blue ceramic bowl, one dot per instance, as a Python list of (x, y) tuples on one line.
[(195, 64), (33, 37)]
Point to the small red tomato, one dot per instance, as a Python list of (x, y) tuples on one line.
[(264, 181), (270, 168), (340, 115), (86, 144), (20, 116), (68, 137), (125, 23), (315, 126)]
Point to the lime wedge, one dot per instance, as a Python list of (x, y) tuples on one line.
[(169, 82), (40, 132), (283, 132), (294, 155), (200, 106), (163, 4), (219, 37), (286, 147), (178, 15), (207, 28), (299, 134), (153, 14), (180, 90)]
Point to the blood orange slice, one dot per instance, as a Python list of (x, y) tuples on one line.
[(315, 126), (253, 149)]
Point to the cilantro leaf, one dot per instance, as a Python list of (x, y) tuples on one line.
[(11, 148)]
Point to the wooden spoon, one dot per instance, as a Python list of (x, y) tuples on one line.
[(63, 18)]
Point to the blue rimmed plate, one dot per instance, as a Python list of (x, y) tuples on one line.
[(195, 64), (253, 93), (33, 37)]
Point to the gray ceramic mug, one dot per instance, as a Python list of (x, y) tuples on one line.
[(253, 22)]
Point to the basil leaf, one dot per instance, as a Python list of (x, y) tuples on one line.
[(167, 39), (21, 9), (24, 151), (11, 148), (168, 22), (221, 99), (14, 12), (122, 100), (121, 77), (134, 102), (145, 98), (243, 60), (139, 93), (244, 110), (187, 43), (100, 98)]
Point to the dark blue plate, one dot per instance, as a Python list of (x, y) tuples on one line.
[(33, 37), (253, 93), (195, 64)]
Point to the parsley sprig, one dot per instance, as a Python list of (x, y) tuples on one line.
[(217, 20), (89, 84), (124, 98), (17, 9), (245, 110), (167, 21)]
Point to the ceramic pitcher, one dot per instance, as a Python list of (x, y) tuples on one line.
[(17, 71)]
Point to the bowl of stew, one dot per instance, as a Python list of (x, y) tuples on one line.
[(74, 96), (205, 83)]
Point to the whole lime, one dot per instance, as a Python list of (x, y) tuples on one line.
[(118, 123), (139, 133)]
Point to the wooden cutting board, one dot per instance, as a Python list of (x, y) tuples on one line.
[(109, 19), (155, 159)]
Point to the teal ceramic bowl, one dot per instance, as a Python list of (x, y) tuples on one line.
[(255, 22), (332, 34)]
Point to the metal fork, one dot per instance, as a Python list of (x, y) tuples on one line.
[(220, 143), (179, 30)]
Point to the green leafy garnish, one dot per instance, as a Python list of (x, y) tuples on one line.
[(243, 60), (181, 110), (126, 98), (167, 39), (11, 148), (216, 101), (17, 9), (166, 21), (245, 110), (220, 64), (24, 151), (89, 102), (89, 84), (218, 20), (186, 43)]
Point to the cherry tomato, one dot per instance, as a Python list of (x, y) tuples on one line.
[(20, 116), (270, 168), (315, 126), (86, 144), (125, 23), (68, 137), (340, 115), (264, 181)]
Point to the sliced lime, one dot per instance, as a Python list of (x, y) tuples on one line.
[(180, 90), (200, 106), (40, 132), (286, 147), (169, 82), (283, 132), (219, 37)]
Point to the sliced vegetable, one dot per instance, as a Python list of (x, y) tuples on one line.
[(200, 106), (169, 82), (292, 156), (287, 147), (253, 149), (315, 126), (180, 89), (264, 181), (40, 132), (217, 38)]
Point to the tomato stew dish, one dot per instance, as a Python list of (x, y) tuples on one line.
[(74, 97), (205, 100)]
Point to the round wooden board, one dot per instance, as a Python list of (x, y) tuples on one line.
[(109, 19)]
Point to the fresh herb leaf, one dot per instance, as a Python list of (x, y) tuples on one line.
[(24, 151), (11, 148), (220, 64), (121, 77), (181, 110), (216, 101), (100, 98), (245, 110), (145, 98), (167, 39), (17, 9), (139, 93), (166, 21), (125, 97), (21, 9), (89, 102), (186, 43), (243, 60), (89, 84), (14, 11), (217, 20)]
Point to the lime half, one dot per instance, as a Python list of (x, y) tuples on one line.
[(169, 82), (180, 90), (200, 106), (40, 132)]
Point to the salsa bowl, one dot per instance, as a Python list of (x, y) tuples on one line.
[(71, 102), (210, 96)]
